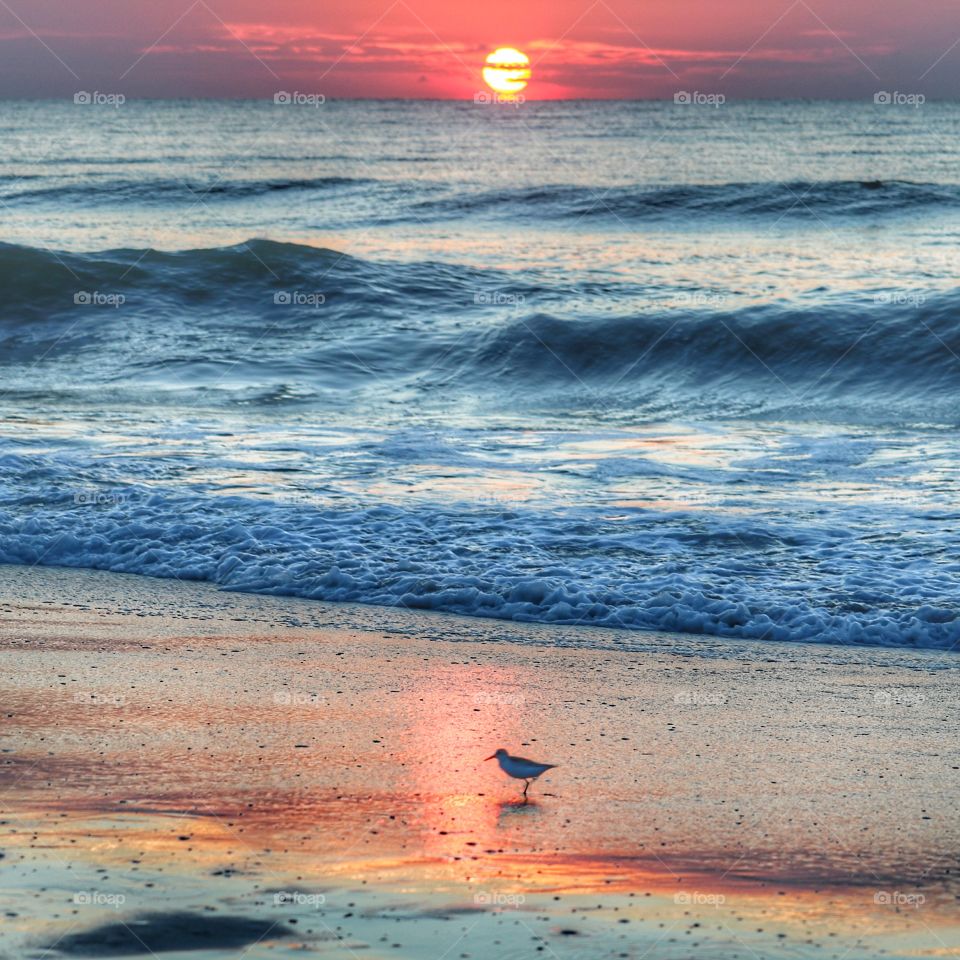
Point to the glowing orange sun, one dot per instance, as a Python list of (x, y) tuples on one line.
[(507, 71)]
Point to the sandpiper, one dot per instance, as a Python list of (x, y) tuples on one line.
[(520, 768)]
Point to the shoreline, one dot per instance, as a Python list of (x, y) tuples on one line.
[(336, 751), (148, 597)]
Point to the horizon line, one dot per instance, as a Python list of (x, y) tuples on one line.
[(504, 101)]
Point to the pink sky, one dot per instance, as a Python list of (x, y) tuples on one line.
[(435, 48)]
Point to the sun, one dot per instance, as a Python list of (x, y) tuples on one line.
[(507, 70)]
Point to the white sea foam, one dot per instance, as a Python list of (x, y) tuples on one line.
[(727, 575)]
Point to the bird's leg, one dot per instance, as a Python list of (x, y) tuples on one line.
[(526, 787)]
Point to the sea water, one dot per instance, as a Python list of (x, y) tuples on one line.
[(646, 365)]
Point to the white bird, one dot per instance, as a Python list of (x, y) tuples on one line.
[(520, 768)]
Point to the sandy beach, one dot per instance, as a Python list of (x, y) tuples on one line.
[(402, 400), (185, 769)]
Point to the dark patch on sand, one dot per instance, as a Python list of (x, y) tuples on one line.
[(166, 932)]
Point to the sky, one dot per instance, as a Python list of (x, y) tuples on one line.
[(436, 48)]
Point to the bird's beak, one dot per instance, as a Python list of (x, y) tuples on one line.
[(492, 755)]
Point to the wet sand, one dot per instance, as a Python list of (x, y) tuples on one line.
[(189, 770)]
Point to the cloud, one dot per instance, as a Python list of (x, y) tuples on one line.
[(203, 55), (287, 45)]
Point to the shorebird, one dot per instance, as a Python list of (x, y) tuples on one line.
[(520, 768)]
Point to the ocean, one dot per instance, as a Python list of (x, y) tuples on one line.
[(637, 364)]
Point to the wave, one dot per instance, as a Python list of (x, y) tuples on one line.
[(156, 191), (828, 198), (425, 200), (294, 320), (43, 282), (726, 576), (867, 351)]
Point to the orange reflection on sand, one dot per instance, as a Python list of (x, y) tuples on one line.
[(463, 714)]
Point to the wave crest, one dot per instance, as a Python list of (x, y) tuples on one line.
[(827, 198), (295, 320)]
